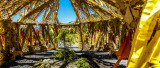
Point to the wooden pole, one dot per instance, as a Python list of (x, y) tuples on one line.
[(26, 32), (38, 38), (47, 32), (43, 34), (7, 39), (49, 37), (17, 36), (77, 14), (1, 45), (30, 39)]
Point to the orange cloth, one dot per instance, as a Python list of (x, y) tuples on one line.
[(124, 49)]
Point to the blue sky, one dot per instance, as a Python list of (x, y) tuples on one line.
[(65, 14)]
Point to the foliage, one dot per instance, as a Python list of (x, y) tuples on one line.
[(62, 34), (66, 54), (72, 38), (66, 35), (85, 29), (82, 63), (42, 64)]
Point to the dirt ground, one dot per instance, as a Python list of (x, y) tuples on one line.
[(103, 60)]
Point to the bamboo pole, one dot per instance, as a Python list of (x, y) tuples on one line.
[(54, 19), (17, 36), (7, 39), (98, 39), (85, 11), (1, 48), (77, 14), (49, 37), (23, 40), (99, 7), (43, 32), (37, 38), (109, 8), (47, 32), (88, 15), (43, 35), (30, 39), (1, 54), (64, 24)]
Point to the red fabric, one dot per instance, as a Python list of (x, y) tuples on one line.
[(124, 49), (125, 46)]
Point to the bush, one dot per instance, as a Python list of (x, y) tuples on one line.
[(82, 63), (66, 54)]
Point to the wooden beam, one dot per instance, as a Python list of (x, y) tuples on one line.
[(94, 4), (98, 39), (77, 14), (17, 36), (63, 24), (27, 30), (36, 36), (85, 11), (47, 31), (55, 12), (43, 34), (30, 38)]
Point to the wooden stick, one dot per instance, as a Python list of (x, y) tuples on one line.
[(99, 37), (36, 36), (47, 32), (49, 35), (17, 36), (30, 38), (116, 64), (77, 14), (43, 34), (1, 46), (25, 34)]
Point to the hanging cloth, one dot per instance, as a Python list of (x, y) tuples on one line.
[(124, 49)]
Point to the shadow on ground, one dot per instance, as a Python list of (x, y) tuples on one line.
[(29, 60)]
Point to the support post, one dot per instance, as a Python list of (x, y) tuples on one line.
[(77, 14)]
